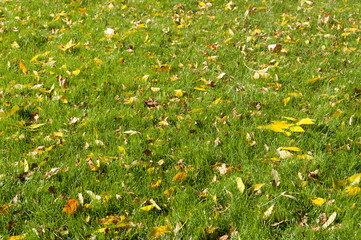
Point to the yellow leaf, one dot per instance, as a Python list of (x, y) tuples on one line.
[(215, 102), (355, 179), (304, 156), (64, 99), (15, 45), (257, 186), (296, 129), (34, 126), (75, 72), (268, 212), (17, 237), (22, 67), (147, 208), (179, 93), (240, 184), (201, 4), (121, 149), (154, 89), (157, 184), (286, 100), (169, 191), (256, 31), (70, 208), (352, 190), (305, 121), (200, 89), (295, 149), (318, 201), (160, 231), (180, 176), (313, 80), (304, 183)]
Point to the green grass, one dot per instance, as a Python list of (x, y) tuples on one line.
[(205, 126)]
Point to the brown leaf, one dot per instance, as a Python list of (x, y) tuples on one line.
[(151, 103)]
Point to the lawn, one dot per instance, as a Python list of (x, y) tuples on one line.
[(129, 119)]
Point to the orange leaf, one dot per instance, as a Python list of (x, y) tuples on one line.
[(22, 67), (180, 176), (70, 208)]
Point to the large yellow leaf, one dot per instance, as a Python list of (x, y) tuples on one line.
[(318, 201)]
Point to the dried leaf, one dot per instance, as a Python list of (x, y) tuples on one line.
[(330, 220)]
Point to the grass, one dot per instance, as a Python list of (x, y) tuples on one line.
[(137, 119)]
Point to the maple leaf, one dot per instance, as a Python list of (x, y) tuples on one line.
[(70, 207)]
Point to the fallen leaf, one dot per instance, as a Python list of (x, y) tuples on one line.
[(180, 176), (70, 207), (318, 201), (240, 184), (330, 220), (160, 231), (22, 67)]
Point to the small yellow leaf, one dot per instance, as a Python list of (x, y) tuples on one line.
[(154, 89), (147, 208), (305, 121), (304, 156), (201, 4), (257, 186), (240, 184), (160, 231), (15, 45), (318, 201), (268, 212), (304, 183), (121, 149), (169, 191), (286, 100), (295, 149), (179, 93), (75, 72), (200, 89), (22, 67), (215, 102)]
